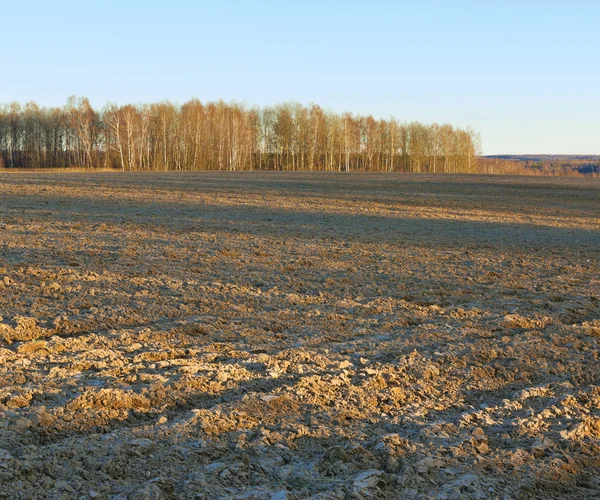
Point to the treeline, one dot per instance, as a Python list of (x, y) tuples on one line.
[(225, 136), (497, 165), (555, 165)]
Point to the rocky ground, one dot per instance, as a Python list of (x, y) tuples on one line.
[(287, 336)]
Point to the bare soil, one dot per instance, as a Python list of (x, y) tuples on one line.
[(253, 335)]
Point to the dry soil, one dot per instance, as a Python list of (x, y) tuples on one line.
[(246, 335)]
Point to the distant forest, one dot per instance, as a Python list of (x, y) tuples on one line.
[(225, 136), (588, 165), (231, 136)]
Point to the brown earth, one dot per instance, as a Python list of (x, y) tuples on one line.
[(251, 335)]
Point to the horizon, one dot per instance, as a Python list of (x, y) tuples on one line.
[(582, 155), (523, 76)]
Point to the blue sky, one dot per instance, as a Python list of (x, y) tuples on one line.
[(524, 74)]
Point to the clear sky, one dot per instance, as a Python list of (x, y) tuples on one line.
[(526, 74)]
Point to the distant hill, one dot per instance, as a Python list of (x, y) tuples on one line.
[(554, 164)]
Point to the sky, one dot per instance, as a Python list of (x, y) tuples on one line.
[(525, 74)]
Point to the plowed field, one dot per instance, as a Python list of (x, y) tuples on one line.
[(247, 335)]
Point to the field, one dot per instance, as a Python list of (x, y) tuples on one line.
[(254, 335)]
